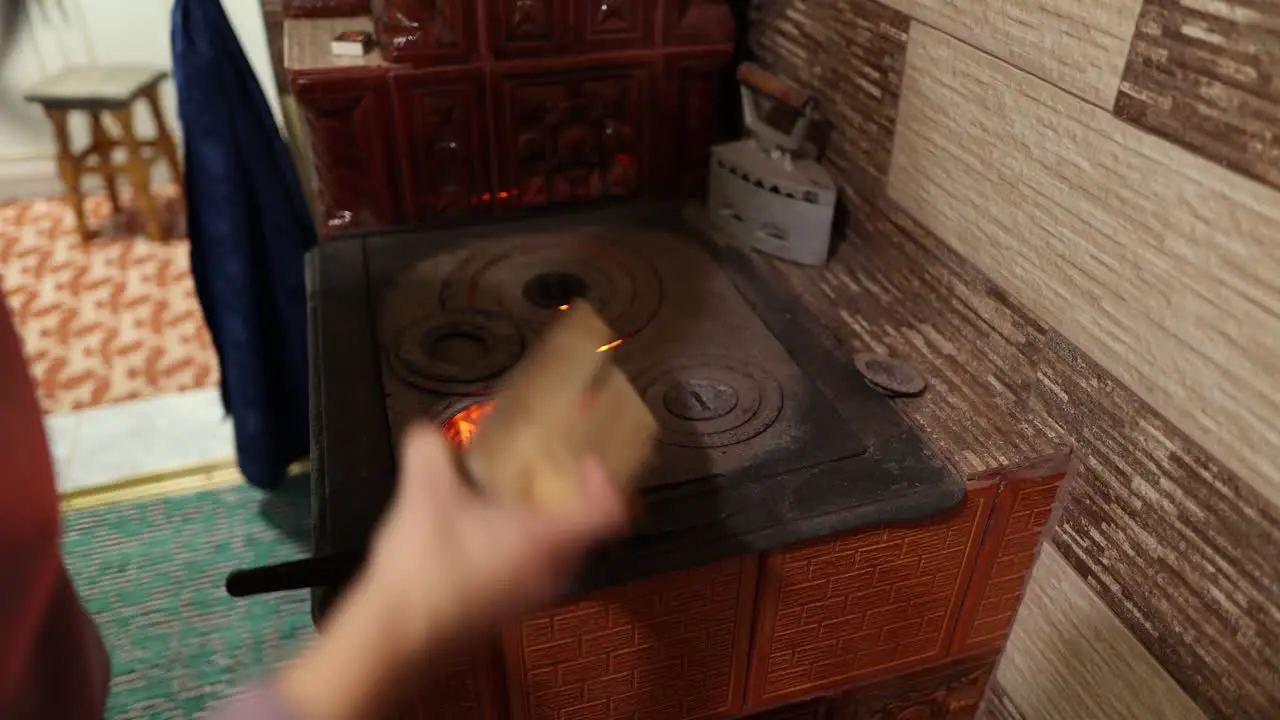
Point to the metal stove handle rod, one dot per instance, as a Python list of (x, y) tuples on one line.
[(318, 571)]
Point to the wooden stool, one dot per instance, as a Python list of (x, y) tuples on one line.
[(104, 92)]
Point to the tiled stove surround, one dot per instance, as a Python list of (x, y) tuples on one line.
[(882, 583), (1111, 168)]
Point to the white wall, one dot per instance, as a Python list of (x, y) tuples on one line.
[(70, 32)]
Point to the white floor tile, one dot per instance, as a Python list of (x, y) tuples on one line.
[(62, 431), (108, 443)]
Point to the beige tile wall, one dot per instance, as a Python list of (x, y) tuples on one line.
[(1111, 166), (1070, 658), (1077, 45), (1161, 265)]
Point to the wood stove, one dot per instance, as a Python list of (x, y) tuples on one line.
[(800, 541), (804, 552)]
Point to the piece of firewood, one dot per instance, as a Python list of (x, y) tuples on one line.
[(565, 400)]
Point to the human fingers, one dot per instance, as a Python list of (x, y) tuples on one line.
[(526, 536), (427, 465), (603, 501), (598, 512)]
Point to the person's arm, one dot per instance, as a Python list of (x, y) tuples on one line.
[(52, 662), (445, 565), (353, 670)]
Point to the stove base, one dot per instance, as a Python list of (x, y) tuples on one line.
[(898, 621)]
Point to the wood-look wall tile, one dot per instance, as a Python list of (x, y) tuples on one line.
[(851, 53), (1177, 545), (896, 288), (884, 292), (1157, 263), (998, 705), (1069, 658), (1138, 252), (1078, 45), (791, 37), (1204, 74)]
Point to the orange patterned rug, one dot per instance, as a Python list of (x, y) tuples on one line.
[(109, 320)]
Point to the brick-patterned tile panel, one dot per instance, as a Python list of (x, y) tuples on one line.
[(948, 691), (879, 600), (462, 688), (817, 709), (1202, 73), (1023, 509), (672, 647)]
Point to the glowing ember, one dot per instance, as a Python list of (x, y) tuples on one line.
[(461, 428), (602, 348)]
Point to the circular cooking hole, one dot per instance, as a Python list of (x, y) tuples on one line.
[(456, 352), (554, 290), (699, 399), (458, 348)]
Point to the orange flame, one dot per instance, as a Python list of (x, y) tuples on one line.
[(461, 428)]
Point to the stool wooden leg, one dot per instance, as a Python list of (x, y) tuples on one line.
[(102, 144), (139, 173), (69, 169), (164, 141)]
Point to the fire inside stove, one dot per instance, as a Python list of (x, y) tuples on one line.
[(727, 397), (461, 427)]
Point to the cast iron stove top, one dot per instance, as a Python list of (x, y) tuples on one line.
[(769, 435), (727, 396)]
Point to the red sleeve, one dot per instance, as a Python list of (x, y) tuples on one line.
[(52, 663)]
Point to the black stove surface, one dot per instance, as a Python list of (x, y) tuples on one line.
[(727, 396), (770, 437)]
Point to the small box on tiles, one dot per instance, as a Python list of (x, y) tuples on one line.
[(352, 43)]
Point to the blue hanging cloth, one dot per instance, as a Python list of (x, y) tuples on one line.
[(250, 228)]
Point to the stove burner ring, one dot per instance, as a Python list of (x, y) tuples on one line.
[(456, 352), (711, 401), (534, 277), (700, 399), (554, 290)]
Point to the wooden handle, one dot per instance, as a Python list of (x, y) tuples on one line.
[(765, 82)]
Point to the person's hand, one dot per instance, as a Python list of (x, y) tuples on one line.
[(452, 563), (446, 565)]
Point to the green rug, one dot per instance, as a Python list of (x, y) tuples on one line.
[(152, 572)]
